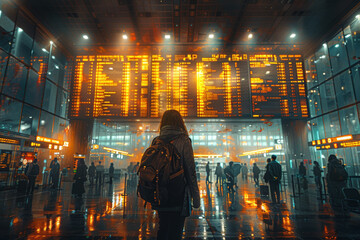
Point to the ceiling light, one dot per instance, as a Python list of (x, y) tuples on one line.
[(56, 66), (125, 36), (324, 45), (347, 35), (44, 50), (267, 72), (53, 57), (293, 35), (167, 36), (337, 45), (110, 68), (85, 37), (250, 35), (357, 16), (20, 30), (51, 42), (211, 35)]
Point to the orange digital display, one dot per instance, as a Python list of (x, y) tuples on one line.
[(212, 85)]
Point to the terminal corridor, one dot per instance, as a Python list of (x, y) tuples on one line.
[(106, 212)]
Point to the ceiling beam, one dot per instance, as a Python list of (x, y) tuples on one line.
[(237, 23), (131, 7)]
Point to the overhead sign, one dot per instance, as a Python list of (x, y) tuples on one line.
[(344, 141), (5, 160), (9, 140)]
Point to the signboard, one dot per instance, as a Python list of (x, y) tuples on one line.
[(5, 160), (336, 142)]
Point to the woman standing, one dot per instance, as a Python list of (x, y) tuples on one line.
[(80, 178), (172, 218)]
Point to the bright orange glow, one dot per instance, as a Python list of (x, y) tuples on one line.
[(258, 151), (196, 86), (116, 151), (344, 138)]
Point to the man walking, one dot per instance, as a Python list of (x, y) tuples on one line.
[(208, 172), (31, 171), (99, 173), (111, 172), (55, 173), (256, 172), (275, 173), (92, 172), (219, 173)]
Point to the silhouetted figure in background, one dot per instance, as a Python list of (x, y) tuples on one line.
[(80, 179), (256, 173), (317, 175), (208, 172), (275, 172), (31, 171), (302, 176), (99, 173), (219, 173), (230, 176), (244, 171), (111, 173), (336, 180), (267, 173), (302, 170), (92, 173), (55, 173)]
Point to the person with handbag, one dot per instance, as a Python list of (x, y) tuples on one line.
[(80, 178)]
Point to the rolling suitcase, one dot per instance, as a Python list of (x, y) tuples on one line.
[(264, 190)]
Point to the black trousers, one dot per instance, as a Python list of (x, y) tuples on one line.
[(275, 190), (256, 180), (31, 185), (171, 225)]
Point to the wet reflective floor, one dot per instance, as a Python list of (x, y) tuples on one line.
[(110, 212)]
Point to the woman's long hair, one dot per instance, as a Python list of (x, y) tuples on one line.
[(173, 118)]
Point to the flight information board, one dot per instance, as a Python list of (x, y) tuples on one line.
[(215, 85)]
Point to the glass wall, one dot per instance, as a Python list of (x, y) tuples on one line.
[(33, 89), (333, 81)]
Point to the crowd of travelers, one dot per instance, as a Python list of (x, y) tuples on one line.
[(168, 181)]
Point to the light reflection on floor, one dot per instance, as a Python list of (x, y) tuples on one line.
[(105, 211)]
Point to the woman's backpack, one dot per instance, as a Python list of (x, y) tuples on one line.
[(161, 175)]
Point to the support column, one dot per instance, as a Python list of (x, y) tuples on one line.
[(295, 144), (80, 135)]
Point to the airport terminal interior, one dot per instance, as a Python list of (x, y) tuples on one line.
[(88, 81)]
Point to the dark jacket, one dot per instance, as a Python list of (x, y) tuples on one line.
[(111, 171), (256, 171), (92, 171), (302, 170), (81, 173), (275, 172), (183, 144)]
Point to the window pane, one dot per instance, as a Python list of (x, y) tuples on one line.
[(314, 102), (22, 45), (3, 61), (46, 124), (317, 128), (322, 64), (15, 79), (344, 89), (352, 38), (356, 78), (23, 38), (34, 89), (9, 114), (61, 103), (327, 93), (40, 53), (29, 120), (338, 55), (6, 26), (311, 72), (59, 128), (332, 125), (56, 70), (349, 121), (49, 97)]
